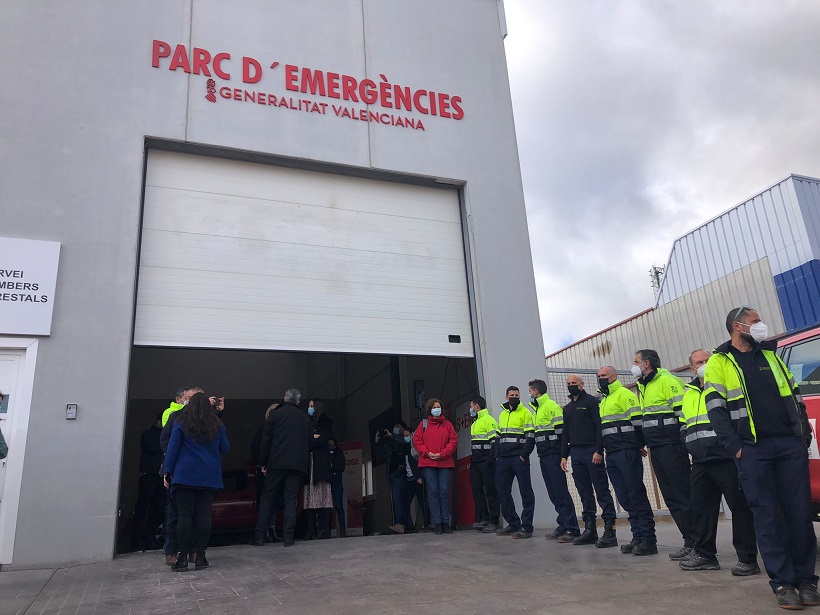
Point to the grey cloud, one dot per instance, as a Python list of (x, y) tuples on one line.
[(637, 121)]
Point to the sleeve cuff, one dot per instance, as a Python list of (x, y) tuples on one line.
[(734, 446)]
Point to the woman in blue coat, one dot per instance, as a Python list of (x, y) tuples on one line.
[(194, 471)]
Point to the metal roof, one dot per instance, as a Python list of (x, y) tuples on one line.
[(781, 222)]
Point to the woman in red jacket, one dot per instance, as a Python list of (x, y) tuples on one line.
[(436, 445)]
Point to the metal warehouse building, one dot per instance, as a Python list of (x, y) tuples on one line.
[(764, 253), (247, 197)]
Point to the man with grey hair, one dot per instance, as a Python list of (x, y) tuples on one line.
[(284, 453)]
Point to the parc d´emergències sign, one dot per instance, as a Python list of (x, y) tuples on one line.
[(28, 279), (334, 94)]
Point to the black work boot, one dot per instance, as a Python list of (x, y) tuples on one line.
[(181, 564), (589, 535), (608, 539), (200, 562)]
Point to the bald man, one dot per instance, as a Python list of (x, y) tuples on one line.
[(582, 442), (623, 443), (714, 475)]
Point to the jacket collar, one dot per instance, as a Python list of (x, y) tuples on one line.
[(613, 386), (436, 419), (581, 395), (694, 385), (482, 412), (726, 347), (649, 377)]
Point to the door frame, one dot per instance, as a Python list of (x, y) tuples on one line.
[(19, 424)]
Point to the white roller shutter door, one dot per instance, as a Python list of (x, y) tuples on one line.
[(242, 255)]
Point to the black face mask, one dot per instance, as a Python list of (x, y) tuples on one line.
[(514, 401), (603, 384), (574, 390)]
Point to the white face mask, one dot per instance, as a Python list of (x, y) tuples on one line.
[(436, 412), (636, 371), (701, 370), (759, 331)]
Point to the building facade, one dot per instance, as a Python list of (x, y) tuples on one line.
[(251, 194)]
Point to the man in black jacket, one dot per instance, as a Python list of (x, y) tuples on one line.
[(150, 507), (582, 440), (286, 447)]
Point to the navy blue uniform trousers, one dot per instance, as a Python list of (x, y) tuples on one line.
[(774, 475), (555, 480), (625, 469), (590, 480), (508, 469)]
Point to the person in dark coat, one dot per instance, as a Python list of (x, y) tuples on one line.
[(286, 448), (318, 496), (414, 489), (337, 489), (259, 483), (393, 450), (150, 508), (194, 469)]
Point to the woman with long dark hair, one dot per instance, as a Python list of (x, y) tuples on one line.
[(194, 470)]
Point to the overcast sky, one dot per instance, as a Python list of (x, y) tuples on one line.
[(638, 121)]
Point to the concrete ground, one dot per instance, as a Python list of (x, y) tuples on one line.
[(464, 573)]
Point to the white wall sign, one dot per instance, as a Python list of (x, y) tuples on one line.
[(28, 278)]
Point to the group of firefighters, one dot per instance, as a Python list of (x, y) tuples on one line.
[(742, 421)]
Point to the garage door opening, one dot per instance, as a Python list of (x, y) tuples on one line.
[(255, 278), (361, 393)]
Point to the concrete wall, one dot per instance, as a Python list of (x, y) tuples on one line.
[(79, 98)]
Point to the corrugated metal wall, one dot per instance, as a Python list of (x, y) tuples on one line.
[(675, 329), (808, 195), (770, 224), (799, 293)]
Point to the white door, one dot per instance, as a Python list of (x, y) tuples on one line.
[(243, 255), (9, 377)]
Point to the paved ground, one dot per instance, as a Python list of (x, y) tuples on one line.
[(464, 573)]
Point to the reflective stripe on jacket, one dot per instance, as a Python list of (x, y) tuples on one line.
[(483, 433), (620, 419), (730, 410), (697, 434), (661, 399), (549, 424), (516, 431)]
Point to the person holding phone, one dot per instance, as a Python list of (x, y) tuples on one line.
[(194, 469)]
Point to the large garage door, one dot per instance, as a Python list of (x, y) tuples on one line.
[(241, 255)]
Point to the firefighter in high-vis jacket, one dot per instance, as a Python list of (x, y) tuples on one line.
[(760, 419), (623, 443), (516, 429), (549, 423), (483, 433), (714, 476), (661, 395)]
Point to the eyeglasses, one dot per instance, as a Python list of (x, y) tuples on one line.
[(740, 309)]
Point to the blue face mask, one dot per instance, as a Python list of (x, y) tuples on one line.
[(436, 412), (407, 439), (473, 413), (311, 411)]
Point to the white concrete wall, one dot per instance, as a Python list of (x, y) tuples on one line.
[(80, 96)]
